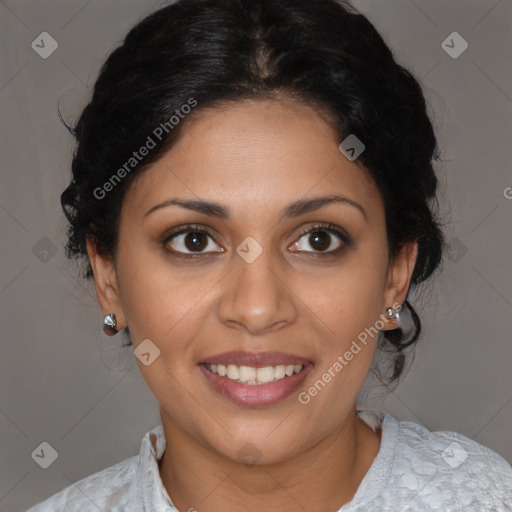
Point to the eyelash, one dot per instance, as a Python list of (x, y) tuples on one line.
[(327, 227)]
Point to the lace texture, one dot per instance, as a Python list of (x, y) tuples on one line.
[(415, 470)]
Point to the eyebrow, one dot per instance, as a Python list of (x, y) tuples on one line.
[(295, 209)]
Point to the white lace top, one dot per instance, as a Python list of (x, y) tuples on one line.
[(415, 470)]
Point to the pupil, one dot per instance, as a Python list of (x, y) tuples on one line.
[(320, 239), (193, 241)]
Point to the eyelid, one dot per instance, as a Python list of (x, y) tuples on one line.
[(188, 228), (330, 228), (326, 226)]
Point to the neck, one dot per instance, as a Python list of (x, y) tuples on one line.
[(196, 478)]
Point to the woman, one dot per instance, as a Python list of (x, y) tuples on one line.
[(253, 192)]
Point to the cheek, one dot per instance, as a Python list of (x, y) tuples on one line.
[(166, 307), (349, 299), (159, 301), (349, 307), (348, 302)]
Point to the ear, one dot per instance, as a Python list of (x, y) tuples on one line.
[(399, 278), (105, 280)]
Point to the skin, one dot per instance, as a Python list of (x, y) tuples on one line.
[(254, 158)]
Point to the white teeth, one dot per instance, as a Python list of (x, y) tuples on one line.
[(265, 374), (246, 373), (253, 376), (233, 372), (280, 371)]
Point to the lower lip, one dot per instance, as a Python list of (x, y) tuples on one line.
[(257, 394)]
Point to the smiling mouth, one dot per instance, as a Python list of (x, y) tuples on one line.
[(254, 376)]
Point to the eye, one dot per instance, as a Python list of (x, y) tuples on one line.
[(191, 239), (323, 238)]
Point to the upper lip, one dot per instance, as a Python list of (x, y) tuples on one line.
[(255, 359)]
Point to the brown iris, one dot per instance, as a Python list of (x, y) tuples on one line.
[(195, 241), (320, 240)]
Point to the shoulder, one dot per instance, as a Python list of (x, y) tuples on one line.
[(107, 489), (448, 468), (131, 485)]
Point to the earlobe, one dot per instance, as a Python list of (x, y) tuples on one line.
[(399, 278), (105, 280)]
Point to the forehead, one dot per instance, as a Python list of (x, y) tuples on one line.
[(258, 153)]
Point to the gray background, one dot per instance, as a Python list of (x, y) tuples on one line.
[(62, 381)]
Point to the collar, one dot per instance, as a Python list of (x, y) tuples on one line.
[(153, 444), (154, 494)]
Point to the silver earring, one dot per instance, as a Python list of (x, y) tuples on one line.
[(109, 325), (391, 313)]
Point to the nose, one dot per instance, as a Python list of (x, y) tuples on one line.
[(257, 297)]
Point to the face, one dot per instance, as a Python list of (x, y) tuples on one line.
[(254, 247)]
